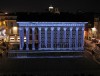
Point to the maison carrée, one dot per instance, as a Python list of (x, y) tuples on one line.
[(44, 31)]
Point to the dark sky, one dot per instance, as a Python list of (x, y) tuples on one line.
[(42, 5)]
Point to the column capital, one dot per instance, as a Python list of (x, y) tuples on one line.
[(71, 28), (64, 29), (82, 28), (27, 28), (39, 28), (46, 28), (58, 28), (52, 28), (33, 28), (20, 28), (77, 28)]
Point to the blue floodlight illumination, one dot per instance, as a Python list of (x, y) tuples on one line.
[(38, 38), (62, 36), (42, 57), (51, 23)]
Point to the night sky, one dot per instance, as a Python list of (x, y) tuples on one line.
[(42, 5)]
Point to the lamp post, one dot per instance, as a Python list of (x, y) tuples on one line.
[(94, 34)]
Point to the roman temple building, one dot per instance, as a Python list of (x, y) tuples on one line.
[(51, 36)]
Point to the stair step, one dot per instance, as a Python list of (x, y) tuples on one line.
[(24, 54)]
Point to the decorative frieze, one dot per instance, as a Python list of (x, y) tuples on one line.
[(68, 30)]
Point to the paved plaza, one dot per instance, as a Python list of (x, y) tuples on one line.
[(81, 66)]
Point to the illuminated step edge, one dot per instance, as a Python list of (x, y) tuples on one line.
[(44, 54), (48, 57)]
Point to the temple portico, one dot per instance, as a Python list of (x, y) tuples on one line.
[(52, 35)]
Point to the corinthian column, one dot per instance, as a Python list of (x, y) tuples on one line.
[(64, 36), (21, 34), (58, 37), (76, 39), (70, 40), (52, 37), (46, 37), (39, 37), (33, 48), (82, 41), (27, 38)]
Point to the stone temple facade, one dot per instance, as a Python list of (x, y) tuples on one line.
[(59, 36)]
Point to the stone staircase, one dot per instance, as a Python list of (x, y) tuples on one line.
[(43, 54)]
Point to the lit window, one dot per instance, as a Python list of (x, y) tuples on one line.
[(15, 30), (0, 23), (4, 22)]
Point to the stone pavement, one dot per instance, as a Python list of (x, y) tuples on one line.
[(49, 67), (92, 51)]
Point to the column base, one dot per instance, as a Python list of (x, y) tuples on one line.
[(51, 48), (46, 48), (58, 48), (21, 48), (33, 48), (82, 48), (27, 48), (76, 48), (39, 49), (70, 48)]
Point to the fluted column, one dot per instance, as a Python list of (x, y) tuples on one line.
[(27, 38), (58, 37), (39, 37), (46, 37), (82, 41), (33, 48), (21, 35), (64, 36), (52, 37), (70, 39), (76, 39)]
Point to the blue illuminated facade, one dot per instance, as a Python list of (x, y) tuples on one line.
[(53, 35)]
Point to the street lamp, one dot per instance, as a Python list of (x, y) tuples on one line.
[(94, 30), (6, 13), (15, 30)]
